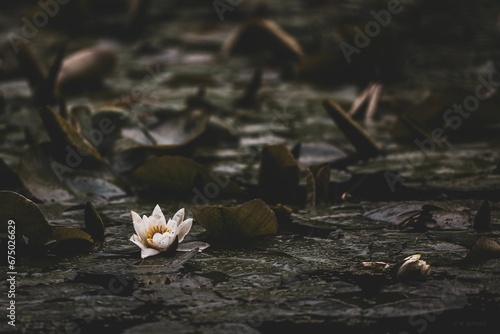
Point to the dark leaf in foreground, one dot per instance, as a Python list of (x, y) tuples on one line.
[(30, 222)]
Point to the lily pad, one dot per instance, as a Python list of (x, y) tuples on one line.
[(421, 216), (154, 134), (251, 219), (29, 220)]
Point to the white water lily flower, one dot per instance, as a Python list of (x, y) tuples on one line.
[(155, 235)]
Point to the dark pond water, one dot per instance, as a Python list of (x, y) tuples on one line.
[(309, 276)]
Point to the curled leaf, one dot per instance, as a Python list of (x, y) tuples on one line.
[(482, 219), (86, 66), (365, 146), (69, 240), (484, 249), (93, 222)]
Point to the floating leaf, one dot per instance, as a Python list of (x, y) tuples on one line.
[(29, 220), (365, 146), (420, 216), (69, 240), (175, 176), (76, 161), (156, 134), (251, 219), (482, 219), (279, 175), (93, 222)]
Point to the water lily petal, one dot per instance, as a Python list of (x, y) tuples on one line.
[(172, 226), (149, 252), (184, 228), (158, 237), (139, 226), (137, 240), (166, 242), (179, 216), (158, 216)]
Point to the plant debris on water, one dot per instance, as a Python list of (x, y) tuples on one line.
[(298, 166)]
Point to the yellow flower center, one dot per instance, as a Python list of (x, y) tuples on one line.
[(153, 230)]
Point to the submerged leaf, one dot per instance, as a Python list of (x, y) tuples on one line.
[(176, 176), (251, 219)]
